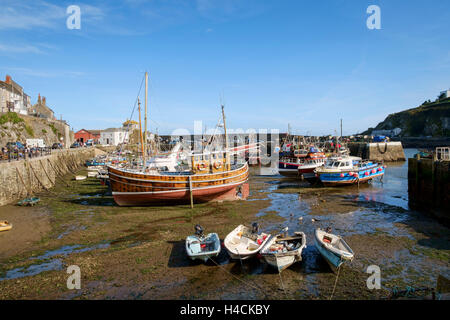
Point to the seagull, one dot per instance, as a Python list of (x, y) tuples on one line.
[(314, 220), (301, 218)]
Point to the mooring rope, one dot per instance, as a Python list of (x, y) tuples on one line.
[(282, 285), (335, 283), (243, 281)]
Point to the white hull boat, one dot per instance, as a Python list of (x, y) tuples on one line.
[(281, 252), (333, 248), (201, 247), (242, 243)]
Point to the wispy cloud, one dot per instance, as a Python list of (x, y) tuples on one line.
[(44, 74), (19, 49), (40, 14)]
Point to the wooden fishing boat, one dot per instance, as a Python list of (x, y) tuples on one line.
[(243, 243), (333, 248), (282, 251), (199, 246), (140, 188), (28, 201), (5, 225), (347, 170)]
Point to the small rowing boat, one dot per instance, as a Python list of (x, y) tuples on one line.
[(333, 248), (199, 246), (243, 242), (281, 251), (28, 201), (5, 225)]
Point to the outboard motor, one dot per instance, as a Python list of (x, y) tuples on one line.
[(198, 230), (328, 229), (255, 227)]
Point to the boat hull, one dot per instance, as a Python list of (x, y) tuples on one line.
[(197, 253), (131, 188), (332, 259), (336, 178)]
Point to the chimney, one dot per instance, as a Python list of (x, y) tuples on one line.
[(8, 79), (43, 101)]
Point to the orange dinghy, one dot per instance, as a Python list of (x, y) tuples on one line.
[(5, 225)]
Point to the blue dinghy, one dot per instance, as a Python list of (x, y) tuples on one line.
[(333, 248), (202, 247)]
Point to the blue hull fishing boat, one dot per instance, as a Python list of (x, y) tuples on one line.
[(348, 170), (332, 248)]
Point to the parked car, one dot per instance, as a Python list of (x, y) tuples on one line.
[(12, 145), (75, 145), (57, 145)]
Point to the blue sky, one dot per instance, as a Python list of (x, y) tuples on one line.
[(307, 63)]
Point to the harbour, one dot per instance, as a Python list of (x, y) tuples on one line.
[(139, 252), (219, 158)]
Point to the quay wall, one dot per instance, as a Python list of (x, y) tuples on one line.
[(25, 177), (378, 151), (429, 187)]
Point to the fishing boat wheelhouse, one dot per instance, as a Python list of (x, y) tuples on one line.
[(312, 161), (348, 170), (290, 166)]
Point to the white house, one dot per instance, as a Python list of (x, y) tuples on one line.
[(446, 93), (390, 133), (12, 97), (113, 136)]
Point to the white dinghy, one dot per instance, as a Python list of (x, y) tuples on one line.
[(281, 251), (333, 248), (243, 242), (202, 247)]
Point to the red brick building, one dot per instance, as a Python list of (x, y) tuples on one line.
[(84, 135)]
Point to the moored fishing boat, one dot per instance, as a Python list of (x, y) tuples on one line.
[(332, 248), (243, 243), (282, 251), (347, 170), (312, 161), (131, 187), (202, 247)]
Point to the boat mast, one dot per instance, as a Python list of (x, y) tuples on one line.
[(226, 140), (140, 134), (145, 116)]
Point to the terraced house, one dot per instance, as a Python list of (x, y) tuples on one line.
[(13, 98)]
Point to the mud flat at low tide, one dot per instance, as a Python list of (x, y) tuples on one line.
[(139, 252)]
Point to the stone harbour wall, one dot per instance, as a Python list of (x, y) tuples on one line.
[(429, 187), (22, 178), (378, 151)]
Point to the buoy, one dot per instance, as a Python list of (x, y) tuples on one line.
[(350, 174), (366, 173), (373, 170), (342, 175), (380, 169)]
